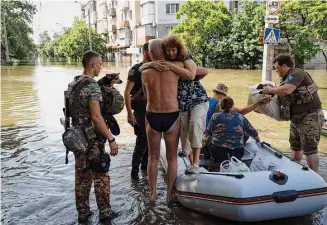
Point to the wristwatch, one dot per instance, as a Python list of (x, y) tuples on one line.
[(110, 141)]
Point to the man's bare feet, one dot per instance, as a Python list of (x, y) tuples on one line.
[(172, 201)]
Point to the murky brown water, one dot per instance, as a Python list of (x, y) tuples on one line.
[(38, 188)]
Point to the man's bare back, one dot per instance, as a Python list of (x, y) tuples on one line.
[(161, 90)]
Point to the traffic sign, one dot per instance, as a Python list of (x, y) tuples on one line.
[(271, 19), (273, 6), (271, 36)]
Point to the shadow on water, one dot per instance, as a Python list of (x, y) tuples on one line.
[(38, 187)]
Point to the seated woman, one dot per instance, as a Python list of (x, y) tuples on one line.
[(226, 130)]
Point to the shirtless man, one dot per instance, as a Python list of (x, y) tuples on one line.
[(162, 116)]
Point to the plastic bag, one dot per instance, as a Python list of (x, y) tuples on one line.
[(259, 163), (272, 108), (234, 165)]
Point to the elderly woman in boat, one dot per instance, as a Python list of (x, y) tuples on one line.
[(226, 131)]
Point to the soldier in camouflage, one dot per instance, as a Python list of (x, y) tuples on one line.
[(85, 111), (301, 105)]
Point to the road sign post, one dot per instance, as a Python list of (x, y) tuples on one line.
[(272, 7)]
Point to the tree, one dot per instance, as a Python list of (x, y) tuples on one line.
[(44, 38), (204, 23), (74, 42), (18, 16), (303, 26), (244, 35)]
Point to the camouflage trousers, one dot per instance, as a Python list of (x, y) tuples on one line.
[(83, 183), (305, 132)]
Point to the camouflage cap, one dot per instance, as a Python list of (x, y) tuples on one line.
[(221, 88)]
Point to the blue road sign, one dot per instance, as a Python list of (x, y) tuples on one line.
[(271, 36)]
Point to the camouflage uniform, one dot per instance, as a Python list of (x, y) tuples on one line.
[(84, 176), (306, 133), (303, 109)]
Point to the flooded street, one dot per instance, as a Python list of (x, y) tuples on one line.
[(37, 187)]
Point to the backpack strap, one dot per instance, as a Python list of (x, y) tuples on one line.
[(138, 93)]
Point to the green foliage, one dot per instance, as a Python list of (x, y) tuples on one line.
[(44, 39), (221, 39), (204, 22), (18, 16), (224, 40), (74, 42), (245, 32), (303, 26)]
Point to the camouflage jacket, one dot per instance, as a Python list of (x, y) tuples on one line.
[(81, 91)]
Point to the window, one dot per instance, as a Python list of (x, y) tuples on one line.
[(172, 8), (233, 6), (104, 11), (94, 6)]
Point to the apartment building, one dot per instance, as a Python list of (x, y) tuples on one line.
[(128, 24)]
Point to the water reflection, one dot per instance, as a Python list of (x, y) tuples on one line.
[(38, 188)]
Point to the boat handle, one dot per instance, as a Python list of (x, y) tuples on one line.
[(276, 153), (285, 196)]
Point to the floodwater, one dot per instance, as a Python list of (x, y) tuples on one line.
[(38, 187)]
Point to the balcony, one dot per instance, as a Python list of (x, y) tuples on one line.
[(142, 2), (126, 33), (113, 28), (102, 27), (144, 34), (112, 12), (125, 42), (124, 5), (124, 24), (93, 17)]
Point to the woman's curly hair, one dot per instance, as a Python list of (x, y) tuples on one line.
[(226, 104), (174, 41)]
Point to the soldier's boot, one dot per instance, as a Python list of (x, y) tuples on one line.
[(83, 217), (108, 216)]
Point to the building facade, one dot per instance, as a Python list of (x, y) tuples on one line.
[(153, 19), (128, 24)]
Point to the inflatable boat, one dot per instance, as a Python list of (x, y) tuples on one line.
[(324, 127), (286, 189)]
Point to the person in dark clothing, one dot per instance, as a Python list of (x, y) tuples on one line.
[(135, 100)]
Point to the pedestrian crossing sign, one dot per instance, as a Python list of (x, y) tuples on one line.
[(271, 36)]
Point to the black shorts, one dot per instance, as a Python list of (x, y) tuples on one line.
[(161, 122)]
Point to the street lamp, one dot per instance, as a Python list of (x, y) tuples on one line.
[(89, 25), (60, 25)]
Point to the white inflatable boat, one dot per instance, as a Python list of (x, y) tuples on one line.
[(287, 189), (324, 127)]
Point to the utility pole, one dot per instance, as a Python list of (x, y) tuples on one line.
[(272, 7), (268, 53), (90, 38), (6, 39)]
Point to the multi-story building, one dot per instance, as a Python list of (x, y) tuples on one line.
[(128, 24), (153, 19)]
